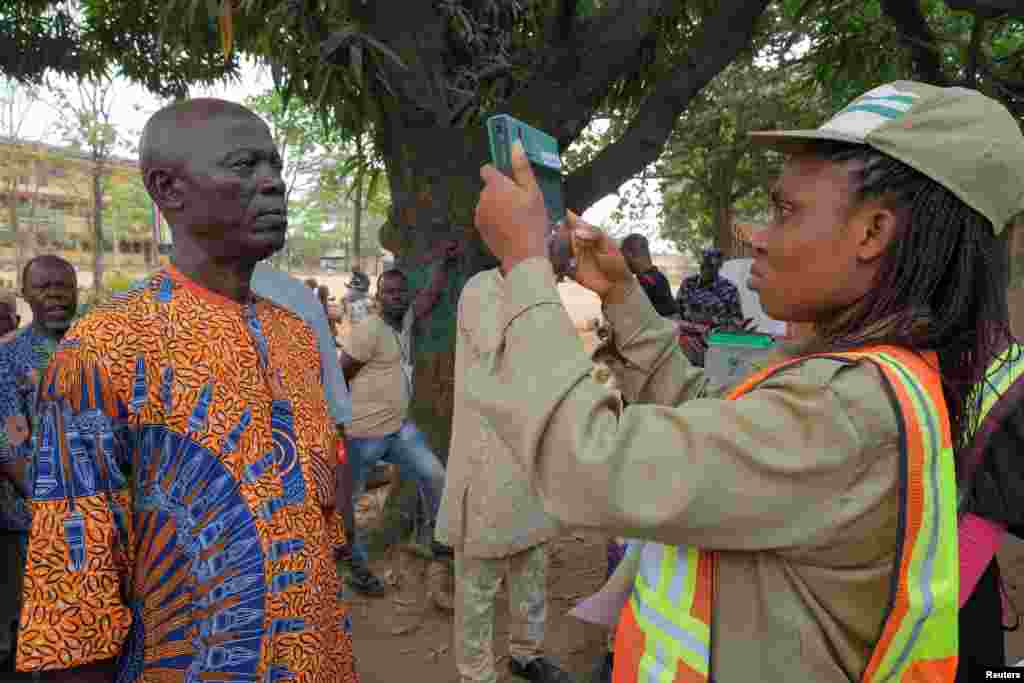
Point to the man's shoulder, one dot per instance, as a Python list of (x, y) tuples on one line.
[(483, 286), (14, 339), (284, 291), (725, 284), (107, 322)]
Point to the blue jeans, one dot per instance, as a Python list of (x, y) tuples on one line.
[(406, 448)]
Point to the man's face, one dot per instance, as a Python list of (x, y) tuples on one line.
[(51, 290), (633, 260), (709, 267), (8, 319), (233, 196), (393, 296), (806, 266)]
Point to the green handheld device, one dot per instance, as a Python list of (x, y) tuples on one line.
[(542, 151)]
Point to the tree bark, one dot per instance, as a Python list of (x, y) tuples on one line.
[(918, 37), (97, 218), (357, 219), (12, 207)]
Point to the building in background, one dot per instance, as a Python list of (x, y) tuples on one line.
[(49, 189)]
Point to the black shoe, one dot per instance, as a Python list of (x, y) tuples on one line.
[(362, 581), (440, 550), (603, 672), (539, 670)]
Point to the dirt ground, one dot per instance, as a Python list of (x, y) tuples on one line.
[(424, 652)]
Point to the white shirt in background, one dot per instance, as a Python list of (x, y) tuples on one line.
[(737, 271)]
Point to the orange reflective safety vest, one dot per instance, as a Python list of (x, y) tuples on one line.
[(664, 633)]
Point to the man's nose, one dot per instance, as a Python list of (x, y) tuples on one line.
[(271, 181)]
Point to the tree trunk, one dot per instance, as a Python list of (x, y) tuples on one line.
[(12, 207), (357, 208), (723, 231), (357, 220), (97, 222), (434, 180)]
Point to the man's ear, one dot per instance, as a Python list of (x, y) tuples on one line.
[(876, 227), (164, 188)]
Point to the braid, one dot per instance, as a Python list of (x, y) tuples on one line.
[(945, 295)]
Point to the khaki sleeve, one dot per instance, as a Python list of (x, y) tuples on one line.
[(363, 339), (656, 369), (779, 468)]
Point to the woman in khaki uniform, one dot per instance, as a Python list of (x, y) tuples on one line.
[(885, 233)]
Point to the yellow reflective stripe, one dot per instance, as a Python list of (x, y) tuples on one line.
[(1002, 374), (928, 629), (671, 634)]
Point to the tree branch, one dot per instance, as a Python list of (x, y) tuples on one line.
[(562, 96), (990, 9), (974, 52), (722, 37), (915, 33)]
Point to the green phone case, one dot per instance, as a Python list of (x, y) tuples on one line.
[(542, 151)]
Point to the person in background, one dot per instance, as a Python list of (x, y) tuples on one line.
[(805, 526), (378, 363), (707, 298), (323, 293), (193, 538), (357, 301), (490, 517), (706, 301), (311, 283), (49, 286), (293, 295), (638, 257), (9, 318)]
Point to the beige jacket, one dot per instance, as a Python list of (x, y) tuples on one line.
[(796, 483), (487, 509)]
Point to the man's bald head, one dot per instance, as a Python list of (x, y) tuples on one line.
[(161, 142), (636, 245), (637, 253)]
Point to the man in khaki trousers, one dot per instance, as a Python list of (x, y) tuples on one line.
[(490, 518)]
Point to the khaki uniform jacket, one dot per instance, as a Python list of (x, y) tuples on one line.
[(487, 510), (796, 484)]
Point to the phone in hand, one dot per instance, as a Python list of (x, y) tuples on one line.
[(542, 151)]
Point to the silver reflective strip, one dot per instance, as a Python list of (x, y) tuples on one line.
[(677, 584), (650, 564)]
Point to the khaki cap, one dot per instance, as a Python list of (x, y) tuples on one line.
[(960, 138)]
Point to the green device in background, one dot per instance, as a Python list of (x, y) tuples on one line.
[(542, 151)]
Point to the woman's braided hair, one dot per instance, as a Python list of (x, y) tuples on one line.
[(941, 285)]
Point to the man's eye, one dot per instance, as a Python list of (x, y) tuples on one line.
[(242, 163)]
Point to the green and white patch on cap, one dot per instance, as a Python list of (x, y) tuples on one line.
[(960, 138), (870, 111)]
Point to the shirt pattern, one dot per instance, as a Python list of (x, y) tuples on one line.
[(24, 355), (715, 304), (183, 510)]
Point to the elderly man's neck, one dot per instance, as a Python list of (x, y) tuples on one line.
[(231, 280)]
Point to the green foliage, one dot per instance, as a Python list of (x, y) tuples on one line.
[(855, 46), (128, 206)]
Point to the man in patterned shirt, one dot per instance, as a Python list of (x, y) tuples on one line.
[(183, 513), (708, 298), (49, 288)]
